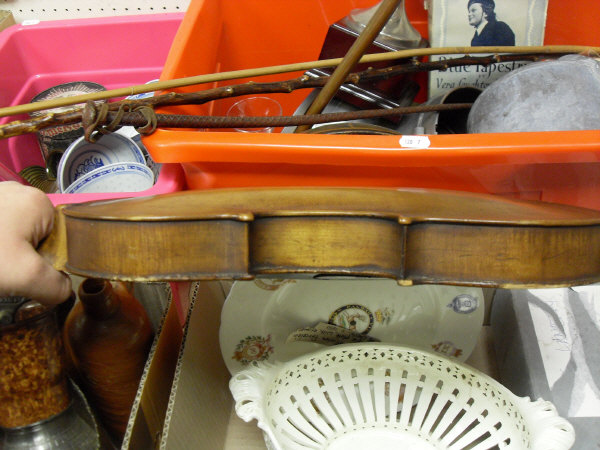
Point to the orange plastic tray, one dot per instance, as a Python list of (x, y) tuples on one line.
[(223, 35)]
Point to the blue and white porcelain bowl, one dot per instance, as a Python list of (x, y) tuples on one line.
[(116, 177), (82, 157)]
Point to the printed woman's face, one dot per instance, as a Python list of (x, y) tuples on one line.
[(475, 14)]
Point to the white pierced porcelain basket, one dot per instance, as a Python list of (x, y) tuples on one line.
[(378, 396)]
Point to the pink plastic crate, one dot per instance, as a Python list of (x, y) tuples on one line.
[(113, 51)]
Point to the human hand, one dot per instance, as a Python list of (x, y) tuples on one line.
[(26, 218)]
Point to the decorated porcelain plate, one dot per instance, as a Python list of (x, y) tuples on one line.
[(277, 320), (117, 177), (81, 157)]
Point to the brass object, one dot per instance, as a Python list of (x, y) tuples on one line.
[(415, 236), (38, 176)]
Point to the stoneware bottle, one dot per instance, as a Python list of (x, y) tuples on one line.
[(108, 337), (39, 407)]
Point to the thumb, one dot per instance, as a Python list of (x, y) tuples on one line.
[(40, 281)]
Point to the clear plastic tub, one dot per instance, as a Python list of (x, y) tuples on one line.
[(113, 51)]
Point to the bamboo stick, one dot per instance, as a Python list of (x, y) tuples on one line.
[(271, 70)]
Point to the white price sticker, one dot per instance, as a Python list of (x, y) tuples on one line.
[(414, 141)]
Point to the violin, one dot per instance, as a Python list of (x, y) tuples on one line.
[(415, 236)]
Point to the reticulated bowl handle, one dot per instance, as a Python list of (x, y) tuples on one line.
[(248, 388), (549, 431)]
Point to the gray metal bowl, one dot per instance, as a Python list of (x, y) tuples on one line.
[(553, 95)]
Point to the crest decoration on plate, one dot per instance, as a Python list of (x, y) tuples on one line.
[(357, 318), (464, 304)]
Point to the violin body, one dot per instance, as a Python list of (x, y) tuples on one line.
[(415, 236)]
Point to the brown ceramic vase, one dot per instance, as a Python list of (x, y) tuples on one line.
[(108, 336)]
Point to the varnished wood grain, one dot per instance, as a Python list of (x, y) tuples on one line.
[(412, 235), (327, 245), (158, 250), (503, 255)]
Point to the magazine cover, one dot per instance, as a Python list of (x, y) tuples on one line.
[(464, 23)]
